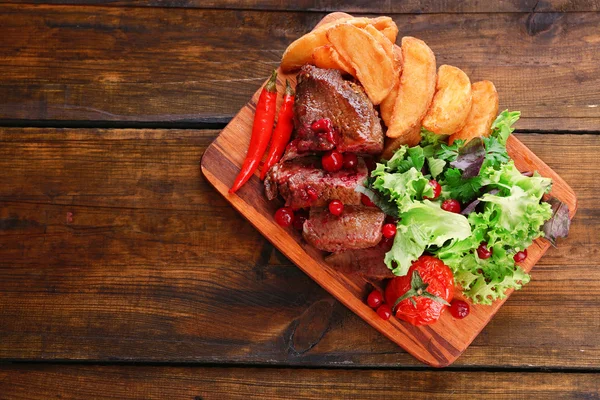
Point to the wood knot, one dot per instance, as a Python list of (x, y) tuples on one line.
[(311, 326), (540, 22)]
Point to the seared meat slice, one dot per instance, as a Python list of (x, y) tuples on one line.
[(302, 183), (357, 228), (322, 93), (364, 262)]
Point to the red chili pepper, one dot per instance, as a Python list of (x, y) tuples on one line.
[(261, 132), (283, 130)]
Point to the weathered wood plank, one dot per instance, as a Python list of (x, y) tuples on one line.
[(357, 6), (103, 383), (154, 64), (113, 247)]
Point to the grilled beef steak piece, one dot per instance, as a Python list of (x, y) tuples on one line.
[(302, 183), (322, 93), (357, 228), (367, 263)]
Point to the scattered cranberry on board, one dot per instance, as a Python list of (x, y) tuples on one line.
[(520, 256), (384, 311), (284, 216), (459, 309), (375, 299)]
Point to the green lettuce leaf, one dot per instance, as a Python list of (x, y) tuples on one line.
[(423, 225), (502, 126), (402, 187)]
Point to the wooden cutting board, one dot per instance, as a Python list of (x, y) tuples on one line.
[(438, 344)]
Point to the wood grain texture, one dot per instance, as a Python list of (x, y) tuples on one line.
[(174, 383), (114, 248), (357, 6), (152, 64)]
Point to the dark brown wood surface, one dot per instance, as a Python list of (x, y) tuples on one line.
[(159, 65), (114, 249), (102, 383), (352, 6), (152, 264)]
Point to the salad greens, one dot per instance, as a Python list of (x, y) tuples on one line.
[(504, 208)]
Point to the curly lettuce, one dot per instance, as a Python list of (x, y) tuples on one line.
[(506, 209)]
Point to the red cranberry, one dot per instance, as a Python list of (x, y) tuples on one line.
[(483, 252), (520, 256), (350, 160), (332, 161), (384, 311), (389, 230), (299, 218), (459, 309), (451, 205), (321, 126), (366, 201), (336, 207), (437, 190), (375, 299), (284, 216)]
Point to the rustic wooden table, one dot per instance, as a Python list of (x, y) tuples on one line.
[(124, 274)]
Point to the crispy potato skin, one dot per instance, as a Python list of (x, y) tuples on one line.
[(374, 69), (386, 107), (484, 110), (451, 103), (416, 89)]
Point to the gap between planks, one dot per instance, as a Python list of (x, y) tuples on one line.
[(210, 124), (265, 365)]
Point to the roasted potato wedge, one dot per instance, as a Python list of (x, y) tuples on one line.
[(451, 103), (415, 91), (327, 57), (300, 51), (484, 110), (374, 69)]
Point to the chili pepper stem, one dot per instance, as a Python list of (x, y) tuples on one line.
[(271, 85)]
